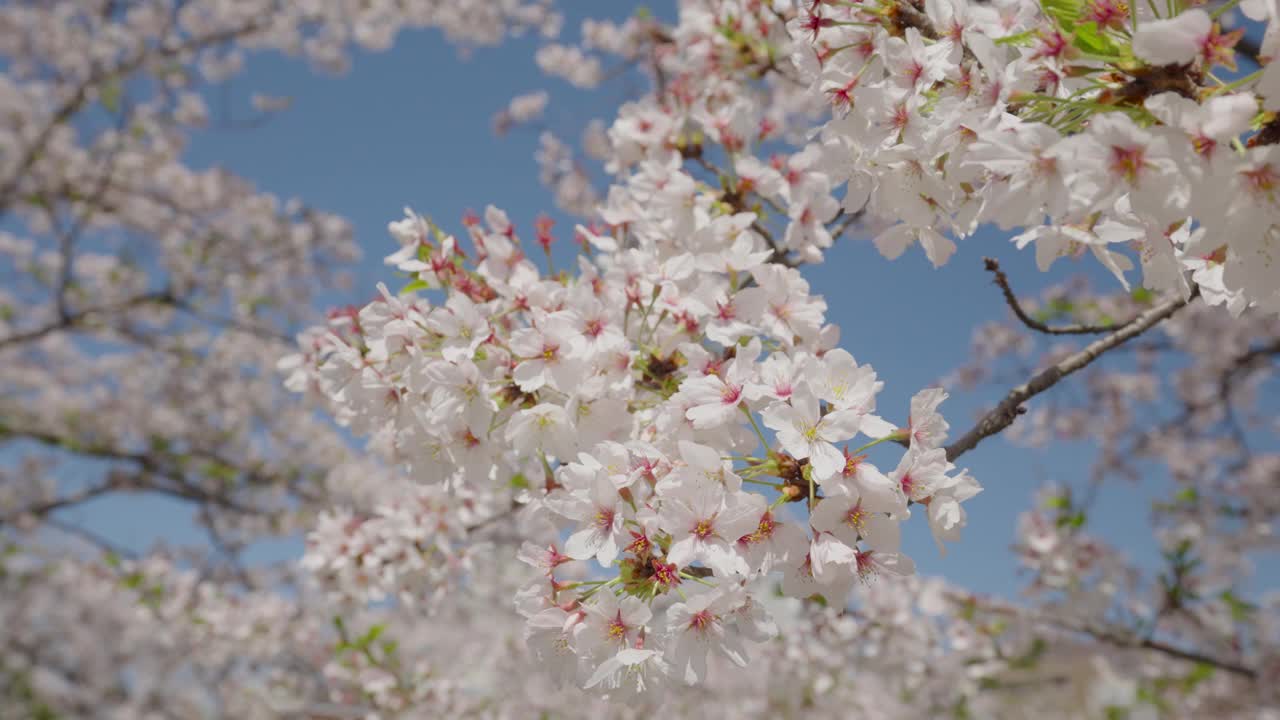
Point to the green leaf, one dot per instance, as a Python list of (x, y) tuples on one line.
[(1055, 308), (109, 95), (1201, 672), (37, 199), (1029, 659), (1089, 39), (370, 637), (1074, 520), (1240, 609), (519, 481), (1143, 296), (221, 471), (1022, 38), (414, 286), (1057, 502), (1066, 12)]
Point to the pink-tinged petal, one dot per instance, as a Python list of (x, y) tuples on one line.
[(608, 550), (584, 544), (741, 517), (699, 456), (793, 442), (830, 513), (703, 391), (827, 461), (946, 519), (705, 417), (779, 417), (937, 247), (807, 411), (1174, 41), (530, 375), (875, 426), (828, 553), (896, 563), (879, 492), (882, 534), (723, 559), (839, 426), (682, 551)]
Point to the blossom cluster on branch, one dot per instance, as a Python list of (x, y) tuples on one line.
[(624, 405), (653, 474)]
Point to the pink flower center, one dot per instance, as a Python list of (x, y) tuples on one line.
[(763, 531), (1203, 145), (866, 568), (856, 518), (915, 71), (701, 620), (704, 529), (1127, 162), (666, 575), (908, 484), (618, 629), (1261, 180), (604, 519), (731, 394)]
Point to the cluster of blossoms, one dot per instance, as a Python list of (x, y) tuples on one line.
[(1080, 126), (408, 546), (1084, 126), (1187, 418), (667, 430), (621, 406), (123, 638), (625, 406)]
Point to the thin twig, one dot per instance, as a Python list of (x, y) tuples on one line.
[(1112, 637), (1002, 280), (1003, 415), (78, 318)]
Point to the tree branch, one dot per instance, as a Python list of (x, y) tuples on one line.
[(151, 468), (1110, 637), (77, 318), (1003, 415), (44, 508), (1002, 280), (161, 297)]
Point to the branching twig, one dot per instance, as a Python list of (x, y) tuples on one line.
[(1003, 415), (42, 509), (1116, 639), (844, 221), (1002, 280), (151, 468), (78, 318), (160, 297)]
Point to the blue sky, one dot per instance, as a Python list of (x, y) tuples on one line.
[(412, 127)]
